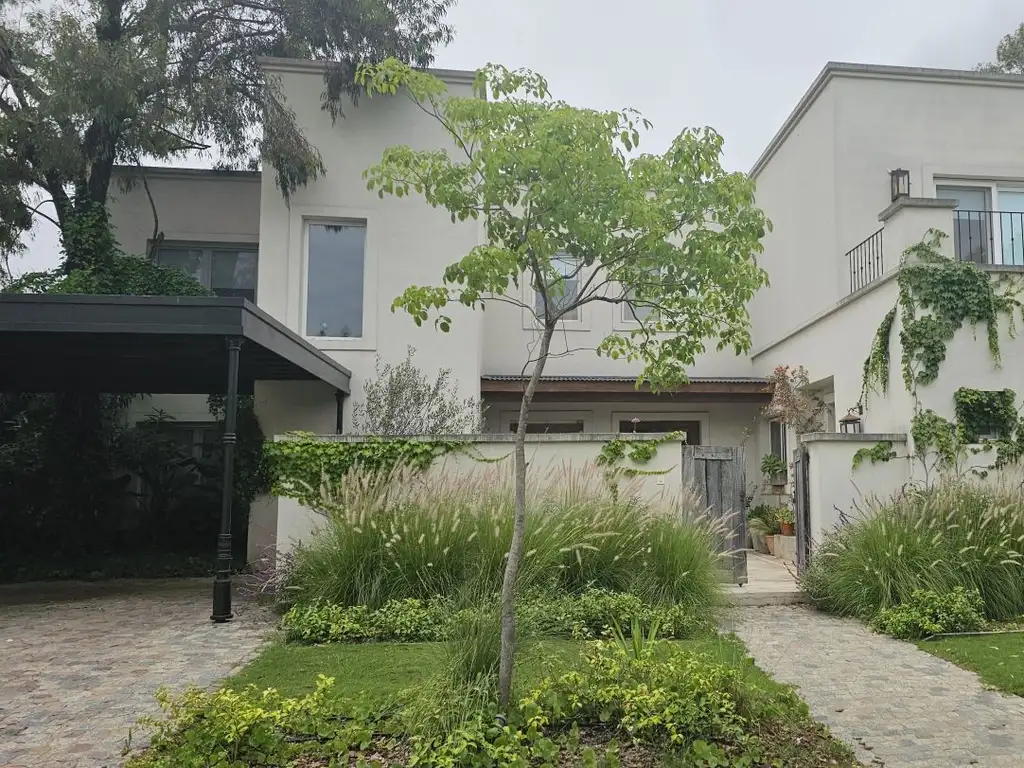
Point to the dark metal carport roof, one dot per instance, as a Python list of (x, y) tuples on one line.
[(149, 344)]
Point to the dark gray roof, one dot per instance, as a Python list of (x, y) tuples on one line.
[(149, 345), (617, 379)]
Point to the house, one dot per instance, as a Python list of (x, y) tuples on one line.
[(329, 262)]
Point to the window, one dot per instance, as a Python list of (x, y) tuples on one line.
[(646, 427), (548, 427), (777, 439), (202, 441), (988, 223), (563, 291), (335, 265), (631, 314), (226, 269)]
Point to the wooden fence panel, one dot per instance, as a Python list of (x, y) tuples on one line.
[(719, 477)]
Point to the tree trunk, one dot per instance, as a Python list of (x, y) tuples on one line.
[(515, 551)]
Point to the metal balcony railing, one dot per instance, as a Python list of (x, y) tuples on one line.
[(866, 261), (989, 237)]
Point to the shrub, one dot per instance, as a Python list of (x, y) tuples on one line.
[(590, 614), (399, 536), (929, 613), (937, 540)]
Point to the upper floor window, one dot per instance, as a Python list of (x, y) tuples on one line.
[(988, 223), (563, 291), (227, 269), (335, 266)]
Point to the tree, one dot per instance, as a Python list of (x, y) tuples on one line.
[(85, 84), (1009, 55), (403, 401), (568, 210)]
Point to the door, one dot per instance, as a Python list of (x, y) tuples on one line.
[(972, 226), (802, 512), (719, 479), (1011, 225)]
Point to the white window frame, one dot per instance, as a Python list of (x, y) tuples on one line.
[(701, 417), (206, 264), (298, 275), (784, 454), (532, 321), (992, 189)]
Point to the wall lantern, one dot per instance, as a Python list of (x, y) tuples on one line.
[(851, 424), (900, 183)]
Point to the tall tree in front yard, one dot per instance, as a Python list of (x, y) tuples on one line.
[(86, 84), (1009, 55), (575, 219)]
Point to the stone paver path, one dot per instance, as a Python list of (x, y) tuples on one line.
[(79, 663), (900, 707)]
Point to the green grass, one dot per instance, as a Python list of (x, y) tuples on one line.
[(998, 659), (373, 672)]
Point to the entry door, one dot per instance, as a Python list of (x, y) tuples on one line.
[(972, 228), (1011, 225)]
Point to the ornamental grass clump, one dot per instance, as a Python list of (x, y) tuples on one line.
[(386, 537), (962, 535)]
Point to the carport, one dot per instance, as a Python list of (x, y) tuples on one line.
[(159, 345)]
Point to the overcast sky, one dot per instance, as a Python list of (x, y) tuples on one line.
[(739, 66)]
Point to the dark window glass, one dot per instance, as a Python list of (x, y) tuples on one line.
[(645, 426), (334, 279), (549, 427)]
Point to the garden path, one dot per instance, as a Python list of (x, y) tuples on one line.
[(79, 662), (898, 706)]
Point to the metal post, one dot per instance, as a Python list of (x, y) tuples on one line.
[(222, 581), (339, 418)]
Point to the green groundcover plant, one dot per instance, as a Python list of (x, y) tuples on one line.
[(648, 703), (399, 536), (958, 537), (928, 613), (589, 614)]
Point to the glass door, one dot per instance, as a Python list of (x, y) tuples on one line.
[(972, 229), (1011, 225)]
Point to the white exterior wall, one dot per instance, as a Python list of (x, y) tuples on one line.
[(797, 189), (407, 241), (548, 456)]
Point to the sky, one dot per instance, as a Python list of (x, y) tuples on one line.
[(739, 66)]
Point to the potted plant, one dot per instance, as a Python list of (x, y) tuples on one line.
[(786, 521), (774, 470), (757, 527), (767, 525)]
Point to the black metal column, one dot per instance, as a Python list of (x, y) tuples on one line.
[(222, 581), (339, 418)]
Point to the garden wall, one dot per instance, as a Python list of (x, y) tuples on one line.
[(549, 457)]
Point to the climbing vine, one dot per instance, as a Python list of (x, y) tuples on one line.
[(298, 465), (937, 297), (638, 451), (880, 451)]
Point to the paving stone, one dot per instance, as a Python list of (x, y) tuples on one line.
[(79, 665), (899, 707)]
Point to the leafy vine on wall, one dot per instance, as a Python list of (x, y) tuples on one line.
[(937, 297)]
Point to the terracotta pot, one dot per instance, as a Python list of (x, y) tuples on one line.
[(770, 541), (787, 529)]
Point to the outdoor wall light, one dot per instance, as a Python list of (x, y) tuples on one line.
[(851, 424), (899, 181)]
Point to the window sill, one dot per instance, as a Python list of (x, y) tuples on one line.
[(567, 326), (340, 343)]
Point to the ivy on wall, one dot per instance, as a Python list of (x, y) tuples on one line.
[(937, 297), (880, 451)]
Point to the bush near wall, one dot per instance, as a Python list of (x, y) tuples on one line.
[(953, 537)]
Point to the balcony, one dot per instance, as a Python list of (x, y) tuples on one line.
[(989, 237), (866, 261)]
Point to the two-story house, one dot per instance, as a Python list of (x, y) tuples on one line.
[(869, 160)]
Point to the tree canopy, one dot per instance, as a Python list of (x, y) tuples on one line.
[(573, 216), (87, 84), (1009, 55)]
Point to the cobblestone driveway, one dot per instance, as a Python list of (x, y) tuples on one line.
[(900, 707), (79, 663)]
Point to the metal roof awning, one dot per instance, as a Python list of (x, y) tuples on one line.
[(149, 344), (610, 388)]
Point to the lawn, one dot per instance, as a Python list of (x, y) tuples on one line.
[(373, 672), (998, 659)]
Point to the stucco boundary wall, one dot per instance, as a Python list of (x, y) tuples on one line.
[(550, 459)]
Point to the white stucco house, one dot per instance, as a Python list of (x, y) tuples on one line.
[(329, 264)]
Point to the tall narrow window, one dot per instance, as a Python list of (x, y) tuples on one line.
[(334, 279), (777, 435), (563, 291), (972, 223)]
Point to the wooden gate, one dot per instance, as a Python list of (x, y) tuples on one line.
[(802, 511), (719, 477)]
